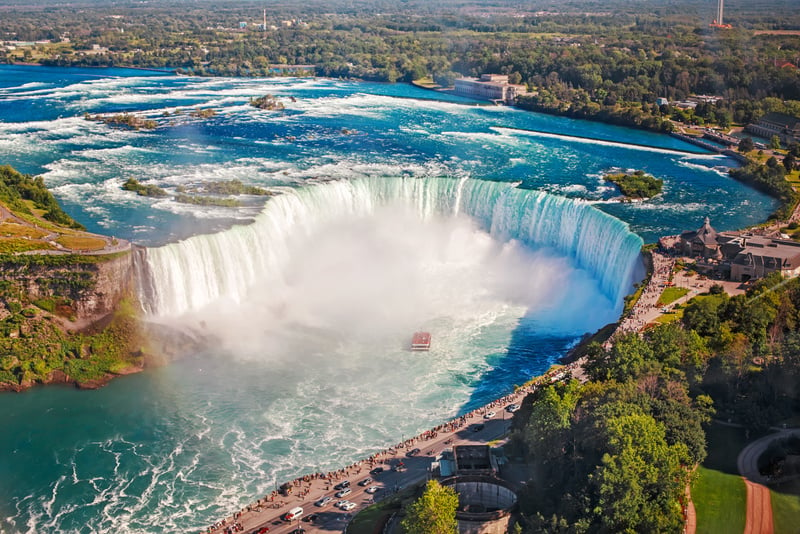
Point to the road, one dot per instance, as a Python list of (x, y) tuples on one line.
[(759, 507), (417, 469)]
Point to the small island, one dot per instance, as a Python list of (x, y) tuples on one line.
[(267, 102), (145, 190), (123, 120), (225, 187), (636, 186), (207, 194)]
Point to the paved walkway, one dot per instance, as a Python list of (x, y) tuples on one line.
[(759, 505), (493, 418), (416, 469), (690, 527)]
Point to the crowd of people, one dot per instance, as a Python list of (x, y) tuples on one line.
[(301, 486), (636, 319)]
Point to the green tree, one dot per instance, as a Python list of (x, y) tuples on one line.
[(746, 145), (640, 479), (549, 423), (775, 142), (434, 512), (788, 162)]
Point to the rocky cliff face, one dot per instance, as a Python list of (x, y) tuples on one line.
[(81, 289)]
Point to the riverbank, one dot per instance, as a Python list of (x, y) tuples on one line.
[(400, 467), (48, 64)]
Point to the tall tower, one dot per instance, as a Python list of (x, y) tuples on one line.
[(720, 5), (264, 27)]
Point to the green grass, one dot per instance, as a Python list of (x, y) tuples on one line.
[(633, 298), (75, 242), (718, 492), (15, 245), (720, 500), (786, 508), (671, 294), (367, 520), (671, 317)]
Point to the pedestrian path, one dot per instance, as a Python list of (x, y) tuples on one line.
[(400, 469)]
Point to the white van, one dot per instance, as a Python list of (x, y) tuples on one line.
[(294, 513)]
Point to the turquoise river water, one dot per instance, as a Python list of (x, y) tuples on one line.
[(395, 209)]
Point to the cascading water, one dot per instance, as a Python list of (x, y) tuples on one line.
[(191, 274)]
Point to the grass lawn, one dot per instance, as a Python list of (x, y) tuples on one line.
[(671, 317), (720, 500), (81, 242), (785, 512), (371, 519), (671, 294), (368, 519), (718, 492), (10, 229), (786, 507)]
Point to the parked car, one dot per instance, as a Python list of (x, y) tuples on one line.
[(372, 489), (347, 506), (477, 427), (294, 513), (489, 415), (512, 408), (342, 493), (323, 501), (310, 518), (342, 485), (365, 482), (412, 452), (376, 471)]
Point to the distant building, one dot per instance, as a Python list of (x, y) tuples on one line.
[(705, 99), (661, 101), (489, 87), (486, 505), (685, 104), (740, 256), (754, 257), (701, 242), (474, 460), (242, 25), (784, 126)]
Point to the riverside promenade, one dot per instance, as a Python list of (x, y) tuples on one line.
[(401, 470)]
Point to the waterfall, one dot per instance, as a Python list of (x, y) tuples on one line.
[(198, 271)]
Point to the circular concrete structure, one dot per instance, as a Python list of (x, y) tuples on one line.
[(485, 503)]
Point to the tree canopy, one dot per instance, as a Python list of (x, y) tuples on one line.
[(434, 512)]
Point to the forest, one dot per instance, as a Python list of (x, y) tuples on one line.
[(588, 59), (615, 454)]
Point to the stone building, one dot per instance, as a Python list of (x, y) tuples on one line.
[(739, 256), (489, 87), (486, 505), (701, 242), (753, 257), (784, 126)]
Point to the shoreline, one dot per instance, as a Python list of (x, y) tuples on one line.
[(313, 486), (35, 64), (59, 378)]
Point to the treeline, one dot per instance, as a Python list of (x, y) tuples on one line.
[(636, 185), (769, 178), (615, 454), (608, 63), (16, 188)]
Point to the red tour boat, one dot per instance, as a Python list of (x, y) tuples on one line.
[(421, 341)]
